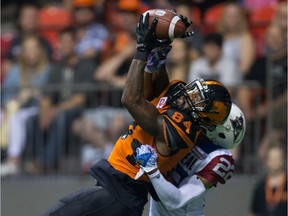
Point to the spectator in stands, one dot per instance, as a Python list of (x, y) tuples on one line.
[(266, 98), (213, 64), (104, 124), (238, 42), (28, 26), (21, 96), (178, 60), (238, 45), (275, 73), (62, 102), (270, 193), (90, 34)]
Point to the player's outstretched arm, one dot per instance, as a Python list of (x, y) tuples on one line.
[(143, 112)]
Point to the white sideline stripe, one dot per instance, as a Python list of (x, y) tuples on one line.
[(172, 27)]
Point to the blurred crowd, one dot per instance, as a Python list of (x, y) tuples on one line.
[(63, 67)]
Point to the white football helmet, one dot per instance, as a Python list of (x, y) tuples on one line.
[(231, 133)]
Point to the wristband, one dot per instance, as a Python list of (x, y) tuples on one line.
[(156, 174)]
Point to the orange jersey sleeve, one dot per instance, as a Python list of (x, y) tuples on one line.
[(180, 134)]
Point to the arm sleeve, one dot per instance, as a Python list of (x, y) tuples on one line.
[(173, 197)]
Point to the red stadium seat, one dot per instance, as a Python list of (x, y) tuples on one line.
[(196, 16), (51, 20), (262, 16), (212, 16)]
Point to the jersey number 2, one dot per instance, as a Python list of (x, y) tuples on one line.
[(224, 169)]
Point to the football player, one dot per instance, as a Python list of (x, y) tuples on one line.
[(207, 164), (167, 116)]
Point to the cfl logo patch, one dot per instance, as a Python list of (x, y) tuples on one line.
[(162, 102)]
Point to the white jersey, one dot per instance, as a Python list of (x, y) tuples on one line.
[(211, 162)]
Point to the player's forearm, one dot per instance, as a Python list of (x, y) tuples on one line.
[(173, 197), (143, 112), (160, 81), (148, 89), (133, 93)]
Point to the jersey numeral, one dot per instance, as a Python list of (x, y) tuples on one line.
[(178, 117), (224, 169)]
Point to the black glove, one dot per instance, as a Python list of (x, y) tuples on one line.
[(146, 40), (186, 22)]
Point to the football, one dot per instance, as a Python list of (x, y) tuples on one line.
[(169, 24)]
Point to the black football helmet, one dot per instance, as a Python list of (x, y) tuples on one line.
[(207, 101)]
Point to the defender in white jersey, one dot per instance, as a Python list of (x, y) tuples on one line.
[(183, 191)]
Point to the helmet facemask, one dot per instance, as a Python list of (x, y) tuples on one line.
[(208, 102), (190, 98)]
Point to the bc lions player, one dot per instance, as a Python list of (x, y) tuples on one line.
[(168, 119), (205, 166)]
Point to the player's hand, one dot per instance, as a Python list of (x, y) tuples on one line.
[(187, 24), (157, 58), (146, 40), (147, 157)]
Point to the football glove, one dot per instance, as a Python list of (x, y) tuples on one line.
[(147, 157), (186, 22), (157, 58), (146, 40)]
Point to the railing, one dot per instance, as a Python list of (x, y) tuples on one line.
[(70, 161)]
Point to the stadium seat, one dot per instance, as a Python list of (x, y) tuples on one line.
[(212, 16), (196, 16), (262, 16), (52, 19)]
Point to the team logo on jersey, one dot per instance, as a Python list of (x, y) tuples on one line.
[(238, 126), (162, 102)]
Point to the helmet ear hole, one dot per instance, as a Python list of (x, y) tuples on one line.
[(222, 135)]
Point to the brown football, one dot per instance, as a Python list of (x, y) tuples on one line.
[(169, 24)]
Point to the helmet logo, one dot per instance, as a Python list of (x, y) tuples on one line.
[(238, 125)]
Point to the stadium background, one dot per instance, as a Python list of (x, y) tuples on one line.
[(29, 193)]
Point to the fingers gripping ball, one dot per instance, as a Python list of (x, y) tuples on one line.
[(169, 25)]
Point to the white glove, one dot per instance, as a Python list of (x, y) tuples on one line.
[(147, 157)]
